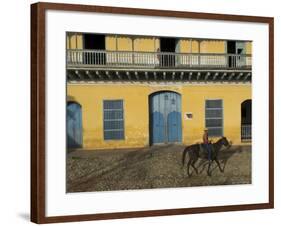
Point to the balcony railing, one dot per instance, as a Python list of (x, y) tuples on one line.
[(246, 132), (125, 59)]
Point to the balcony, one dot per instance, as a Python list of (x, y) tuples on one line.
[(156, 60), (99, 65)]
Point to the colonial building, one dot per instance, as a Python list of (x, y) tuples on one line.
[(134, 91)]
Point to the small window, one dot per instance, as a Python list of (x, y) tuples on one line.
[(113, 119), (214, 117)]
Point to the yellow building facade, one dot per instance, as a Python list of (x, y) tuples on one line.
[(189, 73)]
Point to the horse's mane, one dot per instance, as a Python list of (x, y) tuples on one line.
[(218, 142)]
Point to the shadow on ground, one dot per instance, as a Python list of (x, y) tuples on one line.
[(151, 167)]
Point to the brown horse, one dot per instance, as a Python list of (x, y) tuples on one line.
[(195, 152)]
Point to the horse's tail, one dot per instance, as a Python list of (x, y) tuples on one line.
[(184, 154)]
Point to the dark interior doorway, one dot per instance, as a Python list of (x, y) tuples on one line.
[(231, 49), (246, 120), (167, 48), (94, 41), (168, 44), (246, 112)]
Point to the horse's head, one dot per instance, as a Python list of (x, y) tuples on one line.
[(225, 142)]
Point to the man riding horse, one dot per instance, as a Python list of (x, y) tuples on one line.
[(196, 151), (207, 144)]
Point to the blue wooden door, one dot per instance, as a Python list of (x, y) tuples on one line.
[(165, 115), (74, 125), (174, 118)]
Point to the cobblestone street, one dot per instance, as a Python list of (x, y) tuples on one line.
[(151, 167)]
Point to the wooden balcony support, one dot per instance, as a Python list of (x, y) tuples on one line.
[(158, 75), (190, 76), (215, 76)]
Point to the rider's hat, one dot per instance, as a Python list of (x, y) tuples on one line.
[(206, 129)]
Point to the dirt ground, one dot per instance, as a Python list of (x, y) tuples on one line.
[(151, 167)]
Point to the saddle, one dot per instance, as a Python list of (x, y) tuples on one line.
[(204, 150)]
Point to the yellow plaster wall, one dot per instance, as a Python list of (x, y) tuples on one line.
[(110, 43), (136, 111), (145, 44), (124, 43), (194, 101), (74, 41), (195, 46), (208, 46), (248, 47), (188, 46), (184, 45), (91, 98), (212, 46)]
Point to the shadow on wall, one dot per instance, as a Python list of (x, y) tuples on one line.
[(70, 99), (71, 143)]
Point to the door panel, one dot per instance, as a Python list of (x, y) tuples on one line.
[(158, 128), (74, 125), (174, 127)]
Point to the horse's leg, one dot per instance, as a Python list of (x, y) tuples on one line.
[(224, 164), (188, 165), (219, 165), (209, 167), (193, 166)]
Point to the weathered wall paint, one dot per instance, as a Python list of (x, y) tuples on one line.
[(110, 43), (146, 44), (248, 47), (194, 46), (206, 46), (136, 110), (212, 46), (124, 43), (184, 46), (74, 41)]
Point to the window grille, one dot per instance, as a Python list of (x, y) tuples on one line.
[(113, 119), (214, 117)]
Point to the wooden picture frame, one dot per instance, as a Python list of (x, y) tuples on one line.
[(38, 109)]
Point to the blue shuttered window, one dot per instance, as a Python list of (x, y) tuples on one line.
[(214, 117), (113, 119)]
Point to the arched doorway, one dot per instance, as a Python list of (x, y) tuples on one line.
[(165, 117), (74, 125), (246, 120)]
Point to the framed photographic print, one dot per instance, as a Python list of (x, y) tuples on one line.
[(141, 112)]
